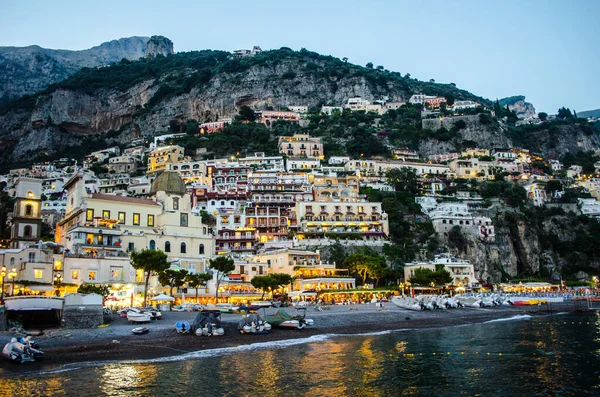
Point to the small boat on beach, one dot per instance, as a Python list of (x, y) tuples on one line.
[(408, 303), (253, 324), (137, 316), (208, 323), (17, 352), (140, 331), (183, 327), (283, 319)]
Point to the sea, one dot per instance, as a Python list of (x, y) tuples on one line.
[(521, 356)]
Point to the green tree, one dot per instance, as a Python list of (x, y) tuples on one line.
[(564, 113), (150, 262), (543, 116), (369, 65), (280, 280), (99, 289), (246, 114), (196, 280), (223, 265), (172, 278), (403, 179), (337, 253), (262, 283), (425, 277)]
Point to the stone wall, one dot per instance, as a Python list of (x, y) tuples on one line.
[(2, 318), (88, 316)]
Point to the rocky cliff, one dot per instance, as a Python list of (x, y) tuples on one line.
[(159, 45), (27, 70), (149, 95), (517, 104)]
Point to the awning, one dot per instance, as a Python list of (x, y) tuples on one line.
[(40, 288), (163, 297)]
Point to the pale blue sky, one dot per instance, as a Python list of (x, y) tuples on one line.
[(545, 50)]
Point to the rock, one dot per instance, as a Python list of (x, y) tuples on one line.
[(159, 45), (524, 110), (581, 276)]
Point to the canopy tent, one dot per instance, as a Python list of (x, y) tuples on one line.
[(163, 297)]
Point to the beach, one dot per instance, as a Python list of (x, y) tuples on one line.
[(116, 342)]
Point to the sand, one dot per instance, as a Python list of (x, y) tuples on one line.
[(116, 342)]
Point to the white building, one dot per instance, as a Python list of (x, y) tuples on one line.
[(461, 270)]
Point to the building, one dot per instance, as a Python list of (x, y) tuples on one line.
[(304, 164), (353, 220), (589, 207), (302, 109), (427, 100), (301, 145), (462, 105), (103, 154), (329, 110), (26, 223), (159, 156), (461, 270), (122, 164), (247, 53), (268, 117), (261, 162), (536, 193), (378, 168), (215, 126), (191, 171), (447, 215), (405, 154), (393, 106), (356, 104)]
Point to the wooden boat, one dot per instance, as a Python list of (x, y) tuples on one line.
[(140, 330)]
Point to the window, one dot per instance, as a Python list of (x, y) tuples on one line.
[(130, 247), (121, 217), (182, 249), (167, 246), (201, 249), (136, 219), (105, 214), (12, 261), (152, 244), (32, 257), (175, 203), (92, 276), (192, 268), (150, 220), (38, 273), (28, 210), (139, 275), (27, 231), (116, 273), (183, 220), (74, 274)]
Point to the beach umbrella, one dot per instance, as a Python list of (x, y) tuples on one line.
[(163, 297)]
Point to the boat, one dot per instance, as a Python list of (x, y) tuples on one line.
[(183, 327), (408, 303), (223, 307), (140, 330), (137, 316), (20, 353), (261, 304), (283, 319), (253, 324), (208, 323)]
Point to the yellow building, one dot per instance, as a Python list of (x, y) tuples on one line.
[(159, 156), (301, 145)]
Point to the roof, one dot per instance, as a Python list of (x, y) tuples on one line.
[(123, 199), (168, 182)]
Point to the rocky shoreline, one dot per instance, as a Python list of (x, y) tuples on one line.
[(116, 343)]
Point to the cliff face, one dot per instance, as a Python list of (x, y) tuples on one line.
[(523, 246), (472, 133), (27, 70), (159, 45), (517, 104)]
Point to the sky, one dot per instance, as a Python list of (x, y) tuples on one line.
[(546, 50)]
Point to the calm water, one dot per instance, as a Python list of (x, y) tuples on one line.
[(538, 356)]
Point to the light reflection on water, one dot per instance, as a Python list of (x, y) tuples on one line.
[(543, 355)]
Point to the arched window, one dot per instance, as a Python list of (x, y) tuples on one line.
[(152, 244), (167, 247), (12, 261), (201, 249), (28, 210), (222, 202), (182, 250), (175, 203), (27, 231)]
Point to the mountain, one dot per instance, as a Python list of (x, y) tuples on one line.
[(589, 113), (27, 70), (111, 105), (517, 103)]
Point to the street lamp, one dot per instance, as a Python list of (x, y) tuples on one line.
[(3, 275), (57, 283), (13, 275)]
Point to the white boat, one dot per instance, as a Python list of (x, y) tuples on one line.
[(261, 303), (20, 353), (408, 303), (136, 316)]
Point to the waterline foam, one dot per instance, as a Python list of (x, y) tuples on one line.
[(513, 318)]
